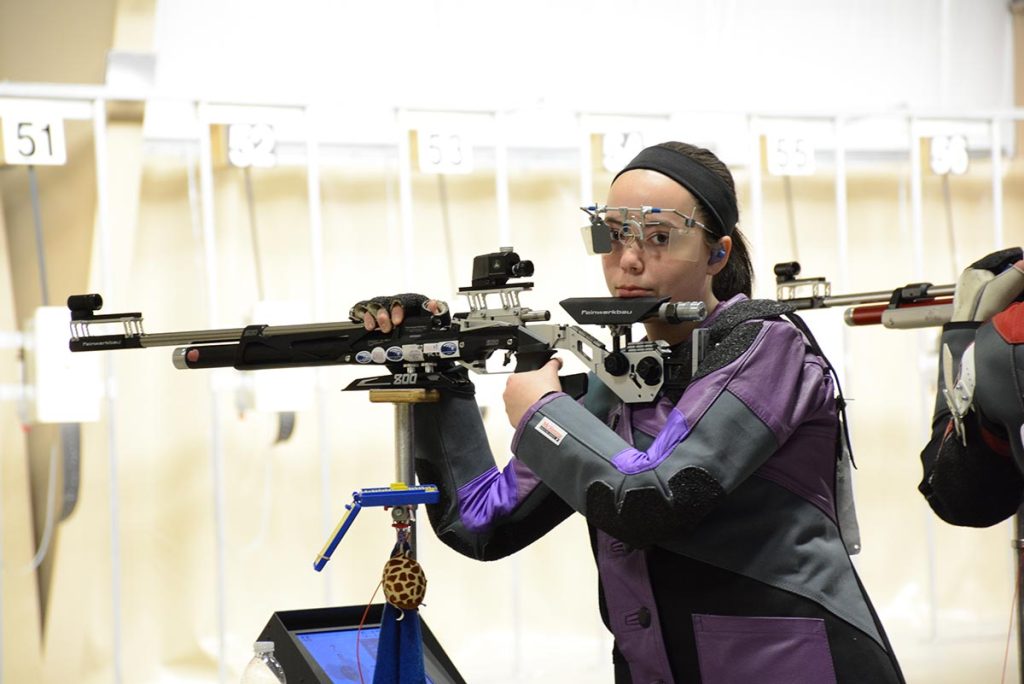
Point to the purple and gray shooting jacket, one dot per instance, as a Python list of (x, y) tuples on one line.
[(713, 517)]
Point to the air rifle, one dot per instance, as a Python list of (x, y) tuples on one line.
[(422, 352), (917, 305)]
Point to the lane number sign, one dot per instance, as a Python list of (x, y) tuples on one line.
[(789, 156), (252, 144), (443, 152), (949, 155), (35, 141)]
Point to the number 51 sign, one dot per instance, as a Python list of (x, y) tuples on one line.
[(34, 141)]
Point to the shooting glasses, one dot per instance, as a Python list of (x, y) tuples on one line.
[(655, 231)]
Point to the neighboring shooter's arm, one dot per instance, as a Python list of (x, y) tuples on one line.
[(970, 477)]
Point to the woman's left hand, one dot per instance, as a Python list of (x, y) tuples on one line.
[(523, 390)]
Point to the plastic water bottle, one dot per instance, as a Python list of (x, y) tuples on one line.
[(264, 667)]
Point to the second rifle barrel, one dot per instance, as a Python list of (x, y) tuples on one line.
[(879, 296)]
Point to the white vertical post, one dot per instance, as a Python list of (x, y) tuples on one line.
[(996, 141), (405, 200), (501, 179), (586, 161), (756, 233), (99, 129), (216, 448), (316, 231), (586, 166), (505, 239), (916, 216), (842, 219), (842, 231), (917, 244), (316, 248)]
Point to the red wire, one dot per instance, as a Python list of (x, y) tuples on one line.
[(362, 621), (1013, 611)]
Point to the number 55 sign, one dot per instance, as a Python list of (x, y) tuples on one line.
[(34, 141), (789, 156)]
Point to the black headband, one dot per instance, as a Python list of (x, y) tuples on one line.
[(709, 189)]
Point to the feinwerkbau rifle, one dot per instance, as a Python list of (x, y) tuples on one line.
[(421, 352)]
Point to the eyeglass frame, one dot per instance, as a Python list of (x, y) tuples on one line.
[(596, 219)]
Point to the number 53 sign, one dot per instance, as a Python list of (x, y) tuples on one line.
[(34, 141), (443, 152)]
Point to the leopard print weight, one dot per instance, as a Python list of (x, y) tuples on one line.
[(405, 585)]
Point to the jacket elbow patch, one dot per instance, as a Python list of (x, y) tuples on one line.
[(644, 516)]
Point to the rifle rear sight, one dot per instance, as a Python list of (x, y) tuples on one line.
[(493, 270)]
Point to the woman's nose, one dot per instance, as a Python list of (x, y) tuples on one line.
[(632, 257)]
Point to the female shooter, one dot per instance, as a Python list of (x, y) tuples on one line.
[(712, 512)]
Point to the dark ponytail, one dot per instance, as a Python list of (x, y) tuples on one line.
[(738, 275)]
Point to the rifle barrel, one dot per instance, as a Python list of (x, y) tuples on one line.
[(859, 298), (177, 339)]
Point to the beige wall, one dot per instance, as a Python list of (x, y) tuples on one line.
[(56, 41)]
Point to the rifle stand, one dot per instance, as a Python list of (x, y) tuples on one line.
[(311, 644), (405, 465)]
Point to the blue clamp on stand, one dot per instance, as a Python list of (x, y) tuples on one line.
[(398, 496)]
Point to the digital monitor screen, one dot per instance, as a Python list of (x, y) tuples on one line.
[(335, 652)]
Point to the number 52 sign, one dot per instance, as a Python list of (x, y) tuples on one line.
[(34, 141)]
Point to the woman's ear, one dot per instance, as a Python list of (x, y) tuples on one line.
[(719, 255)]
